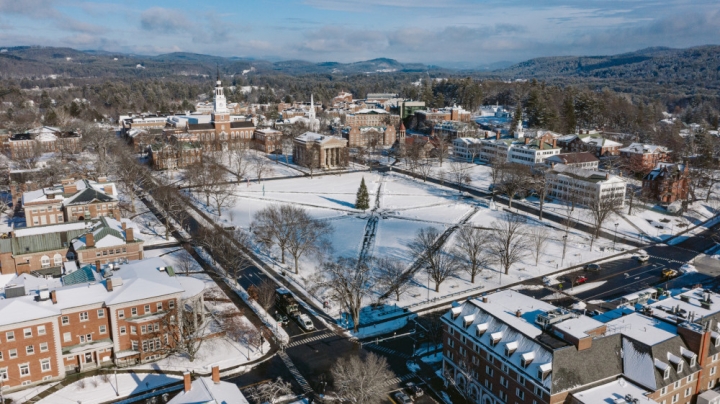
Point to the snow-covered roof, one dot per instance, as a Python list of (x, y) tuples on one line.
[(371, 111), (641, 148), (695, 304), (308, 137), (205, 390), (468, 140), (57, 228), (585, 174), (578, 327), (614, 392), (599, 141), (140, 280), (642, 328)]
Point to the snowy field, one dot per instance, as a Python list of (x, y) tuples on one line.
[(405, 206)]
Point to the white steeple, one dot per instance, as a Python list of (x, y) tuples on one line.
[(312, 108), (220, 104)]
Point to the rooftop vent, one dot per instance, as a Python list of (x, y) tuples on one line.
[(13, 290)]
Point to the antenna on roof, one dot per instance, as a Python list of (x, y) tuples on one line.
[(218, 71)]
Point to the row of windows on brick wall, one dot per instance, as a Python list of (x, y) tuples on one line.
[(29, 350), (24, 369)]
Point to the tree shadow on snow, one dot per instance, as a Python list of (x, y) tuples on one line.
[(339, 202)]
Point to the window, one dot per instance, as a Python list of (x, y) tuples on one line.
[(711, 384), (157, 326), (715, 357), (10, 335), (503, 381), (666, 373), (171, 304), (503, 396), (521, 379), (67, 337), (3, 374), (679, 367), (538, 391), (158, 306), (121, 313), (88, 337), (123, 330), (45, 365), (675, 398), (27, 332), (713, 370), (505, 368), (688, 391), (663, 391), (30, 349), (45, 261), (101, 313), (12, 353), (133, 329), (24, 370), (84, 316), (146, 309), (103, 329), (693, 361), (57, 260), (451, 343), (520, 393), (82, 339), (41, 330), (143, 330), (43, 347), (133, 311), (488, 385), (65, 320), (488, 370), (677, 384)]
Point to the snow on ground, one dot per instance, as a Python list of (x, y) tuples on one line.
[(394, 235), (149, 227), (96, 390), (584, 287)]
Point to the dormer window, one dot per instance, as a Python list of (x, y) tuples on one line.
[(693, 361), (468, 320), (481, 328), (495, 338), (544, 370), (510, 348), (527, 359), (456, 312), (666, 373), (679, 367)]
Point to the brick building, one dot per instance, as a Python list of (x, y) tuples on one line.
[(370, 126), (267, 140), (45, 139), (667, 183), (595, 144), (585, 160), (90, 318), (644, 157), (70, 201), (47, 248), (175, 154), (510, 348), (454, 113)]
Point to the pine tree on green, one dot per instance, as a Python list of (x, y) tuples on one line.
[(362, 201)]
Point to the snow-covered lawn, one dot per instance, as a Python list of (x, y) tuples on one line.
[(92, 390)]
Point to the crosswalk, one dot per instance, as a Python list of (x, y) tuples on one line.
[(667, 259), (386, 350), (398, 380), (295, 372), (311, 339)]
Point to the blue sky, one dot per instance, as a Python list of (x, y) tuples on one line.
[(445, 32)]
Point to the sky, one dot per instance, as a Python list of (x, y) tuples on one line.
[(453, 33)]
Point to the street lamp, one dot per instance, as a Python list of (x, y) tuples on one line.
[(562, 261), (615, 238)]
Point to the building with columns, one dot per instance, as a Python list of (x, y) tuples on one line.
[(314, 150), (92, 317)]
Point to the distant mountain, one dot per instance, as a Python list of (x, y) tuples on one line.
[(700, 64), (35, 61)]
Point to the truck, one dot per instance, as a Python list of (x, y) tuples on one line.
[(285, 302)]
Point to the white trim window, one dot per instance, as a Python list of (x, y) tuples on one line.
[(45, 365), (24, 369), (45, 261), (43, 347)]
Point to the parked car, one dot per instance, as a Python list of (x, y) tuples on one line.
[(281, 318), (305, 322), (402, 398), (592, 267), (580, 280), (414, 390)]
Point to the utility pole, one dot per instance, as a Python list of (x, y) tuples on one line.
[(564, 244)]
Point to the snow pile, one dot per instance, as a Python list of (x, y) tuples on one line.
[(93, 389), (687, 268)]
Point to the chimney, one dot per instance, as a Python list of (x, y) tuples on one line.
[(497, 136), (607, 176), (487, 134), (527, 140), (108, 189), (484, 299), (116, 215), (102, 179), (216, 374), (109, 284), (124, 226), (518, 313), (50, 196), (98, 266), (542, 144), (129, 236), (554, 143), (70, 189), (53, 296), (187, 381), (89, 240)]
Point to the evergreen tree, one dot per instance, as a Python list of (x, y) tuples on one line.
[(362, 200)]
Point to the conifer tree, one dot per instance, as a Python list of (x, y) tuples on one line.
[(362, 200)]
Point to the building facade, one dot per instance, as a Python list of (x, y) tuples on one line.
[(369, 127), (667, 183), (318, 151), (644, 157), (582, 186)]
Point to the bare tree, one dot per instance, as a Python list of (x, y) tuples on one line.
[(270, 227), (185, 330), (539, 182), (440, 264), (391, 275), (424, 168), (128, 173), (306, 235), (459, 174), (508, 242), (497, 172), (170, 202), (239, 160), (270, 392), (516, 179), (361, 381), (348, 281), (601, 210), (539, 240), (226, 252), (99, 141), (262, 167), (222, 197), (471, 248), (185, 262), (266, 294)]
